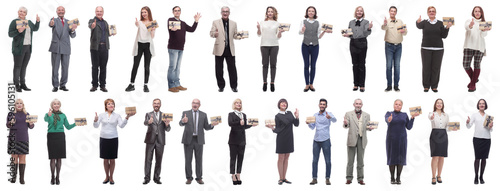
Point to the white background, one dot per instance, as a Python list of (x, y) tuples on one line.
[(82, 169)]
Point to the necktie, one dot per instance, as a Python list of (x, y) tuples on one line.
[(196, 123), (358, 23), (62, 21), (226, 32)]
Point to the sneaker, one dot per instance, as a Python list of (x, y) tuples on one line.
[(396, 88), (146, 89), (389, 88), (129, 88)]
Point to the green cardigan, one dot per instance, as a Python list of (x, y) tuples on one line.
[(18, 38), (60, 123)]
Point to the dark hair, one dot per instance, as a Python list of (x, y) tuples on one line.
[(442, 109), (480, 10), (323, 99), (315, 12), (282, 100), (485, 104), (393, 7), (150, 16), (175, 7), (275, 15)]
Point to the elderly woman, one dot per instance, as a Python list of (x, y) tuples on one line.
[(21, 46), (433, 32), (482, 138), (237, 120), (143, 45), (284, 122), (108, 143), (396, 142), (438, 140), (56, 139), (18, 138), (270, 32)]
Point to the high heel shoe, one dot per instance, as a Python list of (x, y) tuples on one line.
[(433, 181), (53, 180), (57, 181), (355, 88), (106, 181), (439, 180), (235, 182)]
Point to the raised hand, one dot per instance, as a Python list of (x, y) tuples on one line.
[(185, 119), (96, 117), (37, 18), (389, 119), (328, 116), (93, 24), (468, 120), (345, 120), (216, 34), (258, 26), (471, 23), (51, 22), (242, 122), (296, 113), (197, 17), (50, 112), (370, 25), (303, 29), (136, 22), (432, 117), (419, 19), (385, 21), (150, 120)]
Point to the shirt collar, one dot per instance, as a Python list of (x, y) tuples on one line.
[(282, 112), (309, 20), (359, 19)]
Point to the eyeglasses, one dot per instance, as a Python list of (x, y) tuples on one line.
[(224, 11)]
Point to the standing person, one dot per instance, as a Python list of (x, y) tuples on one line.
[(193, 138), (99, 49), (322, 140), (176, 41), (224, 49), (361, 28), (19, 147), (474, 46), (21, 47), (393, 47), (433, 32), (284, 121), (396, 141), (237, 120), (60, 47), (108, 141), (357, 138), (270, 32), (155, 141), (143, 46), (311, 29), (481, 140), (438, 140), (56, 139)]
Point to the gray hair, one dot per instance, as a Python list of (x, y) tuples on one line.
[(53, 101), (359, 100), (24, 9), (225, 7), (399, 101)]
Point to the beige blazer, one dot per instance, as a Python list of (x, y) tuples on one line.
[(353, 125), (220, 41)]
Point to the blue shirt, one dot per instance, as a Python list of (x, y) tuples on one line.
[(322, 126)]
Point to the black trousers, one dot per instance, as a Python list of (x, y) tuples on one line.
[(431, 67), (143, 48), (358, 49), (157, 148), (99, 62), (197, 149), (20, 64), (236, 152), (231, 68)]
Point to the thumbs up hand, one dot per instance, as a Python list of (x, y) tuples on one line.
[(389, 119), (370, 25), (185, 119), (432, 117), (96, 117), (345, 120), (328, 116), (296, 113), (385, 21), (303, 29), (216, 34), (136, 22), (93, 24), (471, 24), (50, 112), (419, 19), (37, 18), (150, 120), (468, 120), (242, 122), (51, 22)]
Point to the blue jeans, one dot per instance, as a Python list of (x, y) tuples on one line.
[(392, 58), (174, 67), (317, 146), (312, 52)]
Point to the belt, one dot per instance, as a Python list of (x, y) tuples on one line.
[(102, 43), (393, 43)]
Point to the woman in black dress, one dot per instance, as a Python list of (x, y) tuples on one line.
[(284, 138), (237, 120), (438, 140)]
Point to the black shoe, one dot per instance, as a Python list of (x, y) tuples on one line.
[(52, 180), (157, 181), (235, 182), (54, 89), (103, 89), (272, 87), (435, 90), (393, 181), (221, 89), (388, 89), (426, 89), (24, 87), (476, 181), (396, 88), (107, 180), (264, 88), (438, 179), (286, 181), (63, 88), (312, 89), (355, 89), (146, 89), (481, 181), (398, 182), (433, 181), (305, 90), (93, 89), (144, 182), (280, 182), (129, 88), (234, 89), (112, 182), (57, 181), (362, 89), (18, 88)]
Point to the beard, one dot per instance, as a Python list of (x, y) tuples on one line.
[(357, 109)]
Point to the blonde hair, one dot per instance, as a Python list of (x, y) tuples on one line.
[(237, 100), (431, 7), (22, 102), (355, 10), (54, 101), (275, 15)]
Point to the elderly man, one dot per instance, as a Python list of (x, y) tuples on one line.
[(60, 47), (99, 46)]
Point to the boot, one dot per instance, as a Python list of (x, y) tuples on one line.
[(25, 88), (21, 173), (475, 76), (13, 180), (470, 74)]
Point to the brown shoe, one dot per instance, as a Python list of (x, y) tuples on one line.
[(328, 182), (181, 88), (314, 181), (361, 182), (348, 182), (200, 181), (188, 181), (175, 90)]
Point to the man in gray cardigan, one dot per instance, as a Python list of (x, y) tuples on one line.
[(99, 46)]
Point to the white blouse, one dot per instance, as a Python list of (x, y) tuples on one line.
[(109, 123), (27, 36), (480, 131), (474, 38), (143, 36), (269, 33), (439, 121)]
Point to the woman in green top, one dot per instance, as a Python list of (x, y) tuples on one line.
[(56, 141)]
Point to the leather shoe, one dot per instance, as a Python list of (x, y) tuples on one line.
[(388, 89), (327, 181), (57, 181), (107, 180), (24, 87), (361, 182), (396, 88), (188, 181), (103, 89), (313, 182), (93, 89), (234, 89), (481, 181), (18, 88), (112, 182), (348, 182), (199, 181), (157, 181), (221, 89), (175, 90), (145, 182), (181, 88), (63, 88), (52, 180), (54, 89)]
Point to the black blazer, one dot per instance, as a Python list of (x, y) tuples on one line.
[(237, 134), (157, 125)]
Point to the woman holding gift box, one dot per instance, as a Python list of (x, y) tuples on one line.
[(396, 141), (482, 138), (284, 122), (108, 142), (18, 138), (56, 139), (438, 140)]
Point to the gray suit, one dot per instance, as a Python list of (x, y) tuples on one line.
[(194, 143), (356, 143), (155, 140), (60, 47)]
